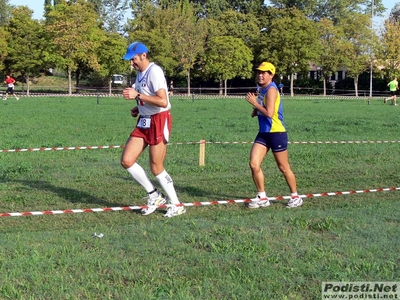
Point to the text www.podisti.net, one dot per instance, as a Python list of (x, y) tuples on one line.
[(360, 290)]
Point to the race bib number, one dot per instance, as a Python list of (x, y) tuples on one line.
[(144, 122)]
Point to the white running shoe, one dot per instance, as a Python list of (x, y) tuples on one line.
[(154, 201), (174, 211), (17, 98), (4, 98), (258, 202), (294, 202)]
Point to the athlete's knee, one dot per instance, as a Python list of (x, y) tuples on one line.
[(156, 169), (126, 163), (254, 166), (285, 168)]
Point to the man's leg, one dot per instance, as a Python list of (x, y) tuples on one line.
[(133, 148), (157, 156)]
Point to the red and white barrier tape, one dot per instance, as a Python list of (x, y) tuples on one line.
[(61, 148), (279, 198), (187, 143)]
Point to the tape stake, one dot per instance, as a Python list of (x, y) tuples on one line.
[(202, 153)]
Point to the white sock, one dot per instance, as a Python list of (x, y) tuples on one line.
[(293, 194), (140, 176), (168, 186), (261, 195)]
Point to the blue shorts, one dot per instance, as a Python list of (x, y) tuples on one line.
[(276, 141)]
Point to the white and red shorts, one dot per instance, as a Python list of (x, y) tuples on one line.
[(154, 129)]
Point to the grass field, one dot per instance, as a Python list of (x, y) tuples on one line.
[(212, 252)]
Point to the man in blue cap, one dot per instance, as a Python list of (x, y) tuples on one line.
[(153, 129)]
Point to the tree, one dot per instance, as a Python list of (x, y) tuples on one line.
[(361, 38), (74, 32), (226, 58), (334, 10), (246, 6), (111, 12), (188, 34), (291, 42), (389, 54), (5, 11), (174, 36), (27, 46), (47, 5), (110, 53), (395, 13), (210, 8), (236, 24), (213, 8), (333, 46), (50, 3), (3, 47)]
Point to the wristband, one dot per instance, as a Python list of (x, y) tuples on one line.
[(137, 97)]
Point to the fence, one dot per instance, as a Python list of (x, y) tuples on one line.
[(202, 91)]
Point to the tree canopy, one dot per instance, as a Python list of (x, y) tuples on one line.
[(213, 41), (27, 45), (75, 36)]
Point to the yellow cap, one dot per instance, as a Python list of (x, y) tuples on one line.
[(267, 67)]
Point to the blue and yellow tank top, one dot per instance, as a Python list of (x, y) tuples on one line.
[(276, 123)]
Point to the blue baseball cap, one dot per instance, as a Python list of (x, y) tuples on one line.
[(134, 49)]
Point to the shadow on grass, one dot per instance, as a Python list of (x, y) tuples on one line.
[(191, 191), (70, 195)]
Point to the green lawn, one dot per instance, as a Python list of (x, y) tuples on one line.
[(212, 252)]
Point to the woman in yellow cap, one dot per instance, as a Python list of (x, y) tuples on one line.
[(267, 106)]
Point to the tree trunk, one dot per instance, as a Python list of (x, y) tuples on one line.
[(324, 79), (356, 84), (27, 84), (226, 89), (69, 82), (110, 86), (291, 85), (221, 87), (188, 81)]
